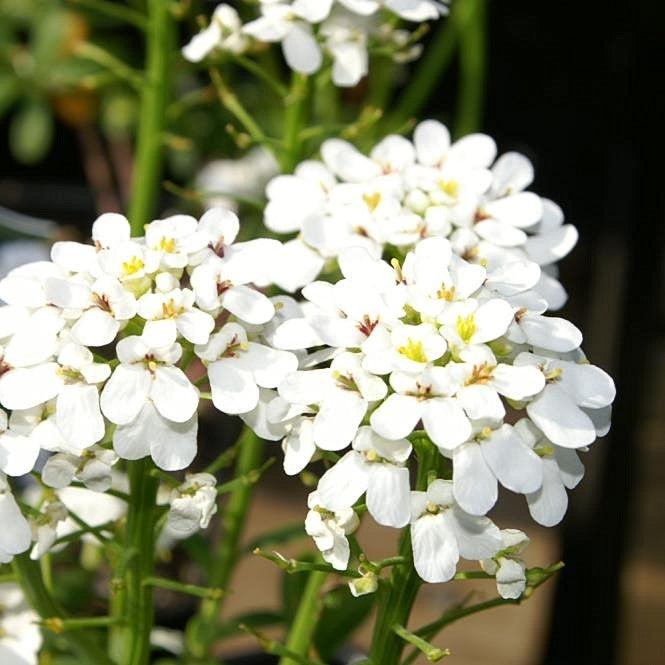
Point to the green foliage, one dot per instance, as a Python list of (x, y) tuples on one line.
[(31, 131)]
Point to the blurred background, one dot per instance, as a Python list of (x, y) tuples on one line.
[(575, 93)]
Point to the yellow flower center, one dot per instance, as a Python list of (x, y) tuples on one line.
[(167, 245), (170, 310), (466, 327), (480, 374), (413, 350), (446, 294), (449, 187), (554, 375), (131, 267), (372, 200)]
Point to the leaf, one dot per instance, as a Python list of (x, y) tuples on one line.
[(342, 614), (31, 131), (279, 536)]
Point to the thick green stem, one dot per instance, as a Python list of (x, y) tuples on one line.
[(136, 601), (202, 633), (304, 623), (29, 577), (149, 149), (471, 22), (427, 76), (398, 596), (294, 121)]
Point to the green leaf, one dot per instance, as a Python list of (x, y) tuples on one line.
[(31, 131), (342, 614)]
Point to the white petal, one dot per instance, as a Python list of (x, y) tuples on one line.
[(517, 382), (397, 417), (516, 466), (301, 51), (195, 326), (552, 333), (432, 141), (388, 498), (571, 468), (338, 419), (78, 416), (110, 229), (18, 454), (95, 328), (520, 210), (477, 537), (590, 386), (500, 233), (233, 388), (160, 333), (125, 393), (248, 304), (173, 394), (269, 366), (175, 447), (345, 161), (24, 388), (546, 248), (435, 552), (15, 537), (481, 402), (344, 483), (445, 422), (350, 62), (549, 504), (560, 419), (512, 172), (474, 482)]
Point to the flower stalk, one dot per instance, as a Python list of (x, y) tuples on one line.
[(152, 120)]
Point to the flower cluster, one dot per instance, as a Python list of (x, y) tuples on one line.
[(343, 30), (97, 351), (405, 191), (454, 349)]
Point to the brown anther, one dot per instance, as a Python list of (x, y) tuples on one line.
[(101, 301), (223, 286), (480, 374), (480, 215), (366, 326), (519, 314)]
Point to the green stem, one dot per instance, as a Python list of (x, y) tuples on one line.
[(149, 149), (471, 23), (427, 76), (304, 623), (137, 601), (398, 596), (29, 577), (250, 453), (294, 120)]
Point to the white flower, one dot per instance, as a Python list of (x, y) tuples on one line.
[(110, 229), (493, 455), (192, 505), (173, 239), (78, 415), (20, 636), (441, 533), (562, 469), (104, 305), (572, 388), (507, 566), (146, 373), (290, 25), (329, 530), (92, 468), (238, 368), (172, 313), (223, 33), (15, 534), (346, 41), (342, 393), (376, 466)]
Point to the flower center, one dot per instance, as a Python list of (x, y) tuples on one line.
[(234, 347), (170, 310), (544, 449), (102, 301), (553, 375), (131, 267), (167, 245), (466, 327), (446, 294), (372, 201), (345, 381), (449, 187), (432, 508), (480, 374), (70, 375), (367, 325), (413, 350)]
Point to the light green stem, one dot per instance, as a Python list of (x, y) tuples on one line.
[(29, 577), (149, 149), (471, 24), (294, 121), (135, 597), (304, 623), (398, 596), (202, 633)]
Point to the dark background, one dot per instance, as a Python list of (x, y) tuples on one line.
[(576, 87)]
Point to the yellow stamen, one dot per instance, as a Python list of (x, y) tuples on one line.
[(449, 187), (131, 267), (372, 200), (466, 327), (413, 350), (446, 294), (167, 245)]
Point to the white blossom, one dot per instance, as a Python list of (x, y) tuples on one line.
[(20, 636), (507, 566), (192, 505)]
